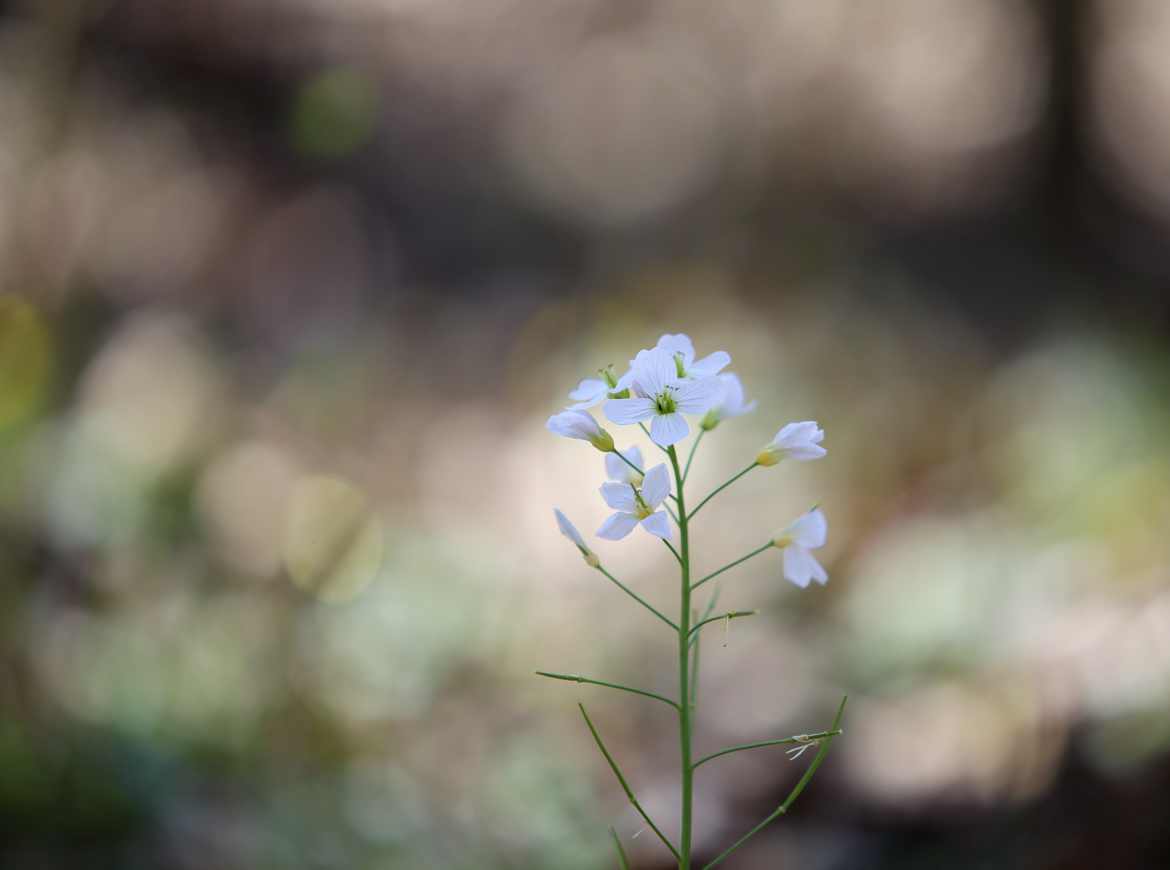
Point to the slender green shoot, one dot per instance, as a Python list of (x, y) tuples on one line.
[(793, 795), (625, 785), (731, 565), (799, 738), (623, 861), (720, 489), (673, 552), (619, 455), (575, 678), (626, 589), (684, 679), (691, 455), (734, 614), (696, 647)]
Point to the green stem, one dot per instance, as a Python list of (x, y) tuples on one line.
[(619, 455), (623, 861), (731, 565), (720, 489), (626, 589), (803, 738), (691, 455), (696, 646), (574, 678), (793, 795), (735, 614), (673, 552), (625, 785), (684, 682)]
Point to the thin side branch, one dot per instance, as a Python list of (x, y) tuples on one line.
[(626, 589), (691, 455), (623, 861), (718, 490), (731, 565), (625, 785), (799, 738), (576, 678), (695, 647), (734, 614), (793, 795), (673, 551), (620, 456)]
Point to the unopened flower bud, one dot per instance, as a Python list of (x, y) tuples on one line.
[(581, 425)]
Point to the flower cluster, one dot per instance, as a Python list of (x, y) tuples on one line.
[(664, 385), (660, 387)]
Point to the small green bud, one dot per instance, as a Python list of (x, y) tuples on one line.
[(603, 441)]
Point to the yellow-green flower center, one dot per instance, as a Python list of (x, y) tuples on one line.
[(664, 403)]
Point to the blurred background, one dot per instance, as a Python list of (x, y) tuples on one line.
[(289, 287)]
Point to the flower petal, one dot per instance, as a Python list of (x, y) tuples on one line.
[(568, 529), (634, 454), (799, 434), (617, 526), (697, 397), (627, 411), (819, 573), (574, 424), (709, 365), (679, 343), (588, 393), (616, 469), (656, 486), (619, 496), (666, 429), (658, 524), (798, 565), (654, 370), (810, 530), (807, 452), (588, 388)]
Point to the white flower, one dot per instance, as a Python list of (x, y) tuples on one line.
[(591, 391), (731, 403), (570, 532), (680, 347), (634, 506), (588, 393), (662, 397), (620, 471), (807, 533), (799, 441), (580, 424)]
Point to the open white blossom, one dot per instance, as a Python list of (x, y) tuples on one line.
[(799, 441), (636, 506), (580, 424), (680, 347), (662, 396), (570, 531), (731, 402), (807, 533), (589, 392), (592, 391), (620, 471)]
